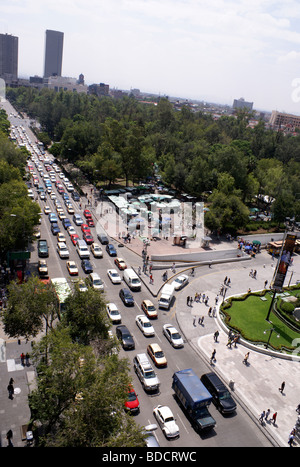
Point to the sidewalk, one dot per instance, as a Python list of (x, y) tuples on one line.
[(256, 384)]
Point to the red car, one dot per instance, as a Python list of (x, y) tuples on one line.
[(74, 239), (88, 238), (132, 404), (87, 214), (85, 228), (90, 222)]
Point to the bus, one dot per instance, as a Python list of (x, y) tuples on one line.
[(63, 290)]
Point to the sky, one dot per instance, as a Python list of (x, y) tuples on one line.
[(209, 50)]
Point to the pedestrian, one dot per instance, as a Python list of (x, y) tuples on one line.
[(191, 301), (151, 279), (267, 414), (209, 311), (201, 320), (229, 342), (228, 282), (206, 300), (265, 284), (246, 358), (139, 270), (291, 440), (203, 297), (214, 312), (251, 273), (216, 335), (27, 356), (262, 416), (194, 321), (11, 391), (213, 356), (216, 300), (22, 356), (11, 381), (235, 339), (225, 280), (282, 387), (187, 300), (9, 436), (254, 274), (274, 418)]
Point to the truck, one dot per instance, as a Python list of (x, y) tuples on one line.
[(194, 399), (166, 296)]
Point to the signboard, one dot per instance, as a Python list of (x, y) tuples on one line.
[(284, 261)]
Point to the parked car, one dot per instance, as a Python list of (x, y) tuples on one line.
[(103, 239), (42, 268), (113, 313), (86, 266), (132, 404), (72, 268)]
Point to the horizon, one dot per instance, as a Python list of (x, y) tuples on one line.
[(213, 51)]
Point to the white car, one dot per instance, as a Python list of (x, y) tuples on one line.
[(166, 421), (47, 210), (61, 237), (145, 325), (180, 282), (71, 230), (62, 250), (172, 335), (113, 313), (96, 250), (114, 276)]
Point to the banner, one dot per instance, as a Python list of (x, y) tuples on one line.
[(284, 261)]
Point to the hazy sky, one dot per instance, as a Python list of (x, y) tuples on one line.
[(214, 50)]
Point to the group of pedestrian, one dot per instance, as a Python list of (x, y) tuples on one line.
[(212, 311), (253, 273), (227, 281), (25, 359), (264, 417), (232, 339)]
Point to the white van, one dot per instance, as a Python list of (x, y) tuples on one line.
[(166, 296), (82, 250), (132, 279)]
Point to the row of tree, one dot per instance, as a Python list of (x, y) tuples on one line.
[(82, 384), (112, 139)]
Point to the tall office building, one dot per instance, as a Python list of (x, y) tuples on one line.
[(9, 46), (53, 53)]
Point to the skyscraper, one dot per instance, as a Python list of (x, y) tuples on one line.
[(53, 53), (9, 46)]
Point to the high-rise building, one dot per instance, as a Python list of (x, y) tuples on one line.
[(242, 104), (53, 53), (9, 46)]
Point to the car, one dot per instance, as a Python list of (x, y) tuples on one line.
[(82, 286), (47, 210), (86, 266), (95, 281), (132, 404), (89, 239), (180, 281), (145, 326), (96, 250), (42, 268), (66, 223), (113, 313), (114, 276), (61, 215), (43, 196), (75, 196), (52, 217), (85, 228), (77, 219), (126, 297), (54, 228), (87, 214), (74, 239), (103, 239), (62, 250), (43, 250), (61, 237), (111, 250), (120, 263), (90, 222), (71, 230), (166, 421), (124, 336), (220, 394), (72, 268), (149, 309), (151, 440), (157, 355), (173, 336)]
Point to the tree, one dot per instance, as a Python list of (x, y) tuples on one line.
[(32, 306)]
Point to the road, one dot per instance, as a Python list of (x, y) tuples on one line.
[(230, 431)]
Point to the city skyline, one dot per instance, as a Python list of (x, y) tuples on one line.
[(214, 51)]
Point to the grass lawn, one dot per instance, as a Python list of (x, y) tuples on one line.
[(249, 318)]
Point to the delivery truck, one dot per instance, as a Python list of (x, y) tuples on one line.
[(166, 296), (194, 398)]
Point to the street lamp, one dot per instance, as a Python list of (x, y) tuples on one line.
[(271, 330)]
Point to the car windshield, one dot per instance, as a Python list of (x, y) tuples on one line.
[(159, 354), (146, 324), (114, 312), (149, 374), (127, 337), (224, 395), (151, 308), (169, 419), (176, 335), (132, 396)]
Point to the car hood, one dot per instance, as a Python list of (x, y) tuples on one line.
[(171, 428)]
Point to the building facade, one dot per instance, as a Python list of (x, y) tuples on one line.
[(9, 48), (284, 121), (242, 104), (53, 53)]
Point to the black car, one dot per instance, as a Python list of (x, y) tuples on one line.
[(75, 196), (221, 396), (125, 337), (54, 228), (126, 297), (86, 266), (103, 239), (111, 250)]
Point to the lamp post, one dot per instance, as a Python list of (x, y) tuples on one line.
[(271, 330)]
